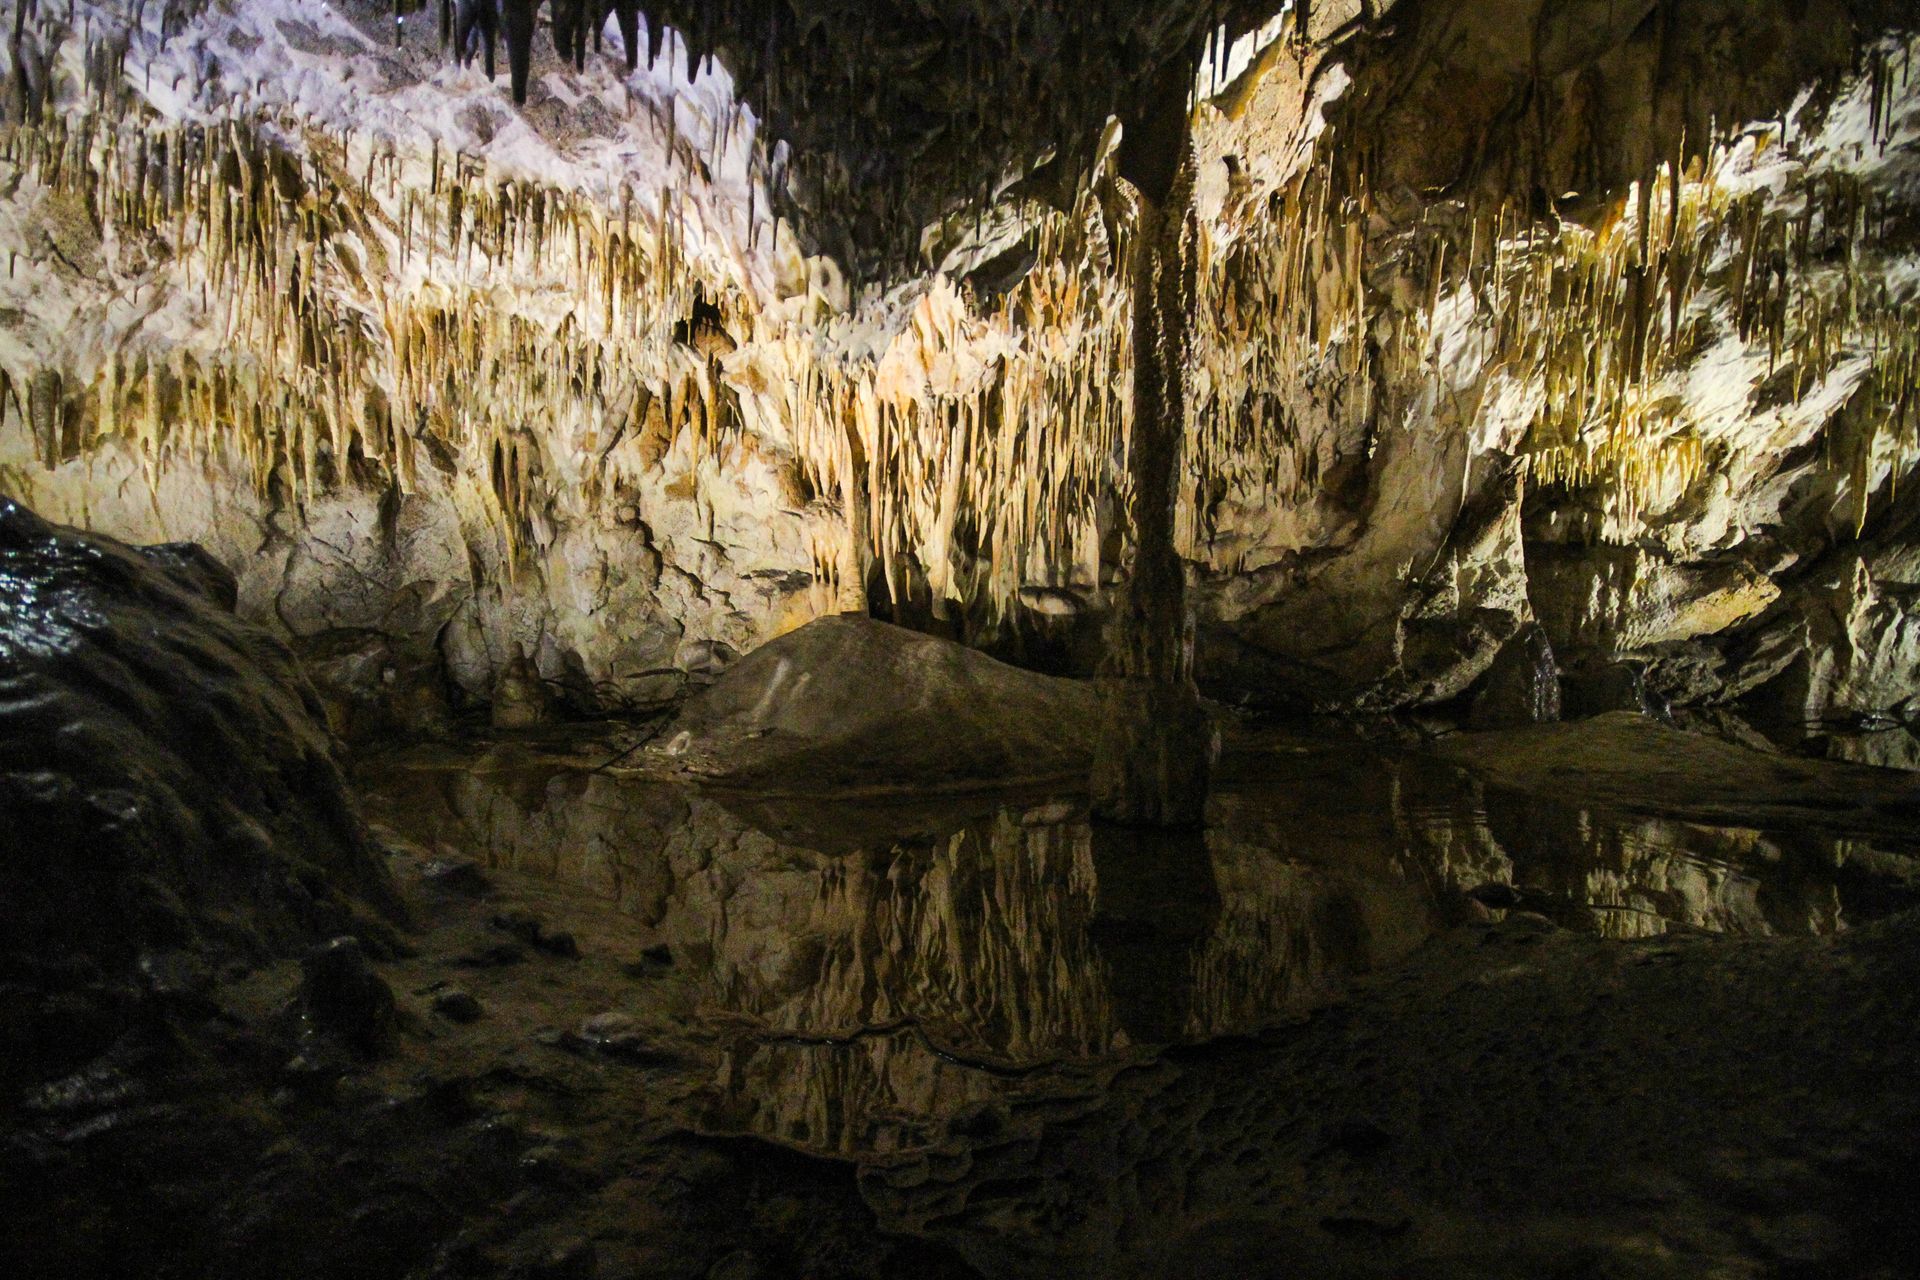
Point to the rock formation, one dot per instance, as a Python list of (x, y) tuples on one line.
[(171, 793), (853, 704), (557, 380), (443, 381), (765, 487)]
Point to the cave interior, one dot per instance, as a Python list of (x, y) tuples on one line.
[(745, 639)]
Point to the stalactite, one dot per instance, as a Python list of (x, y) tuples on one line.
[(987, 448)]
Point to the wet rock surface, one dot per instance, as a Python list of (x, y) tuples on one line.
[(166, 780), (546, 1136)]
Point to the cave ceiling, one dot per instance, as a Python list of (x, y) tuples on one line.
[(899, 111)]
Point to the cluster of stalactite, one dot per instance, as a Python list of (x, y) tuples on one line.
[(1889, 71), (1602, 315), (361, 318), (366, 308), (1279, 337), (1307, 316), (1597, 322), (472, 29), (1596, 317), (990, 443), (274, 380), (349, 317), (365, 313)]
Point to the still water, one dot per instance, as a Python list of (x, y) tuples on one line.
[(878, 976)]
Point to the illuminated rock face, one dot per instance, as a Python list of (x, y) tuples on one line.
[(1624, 410), (453, 386)]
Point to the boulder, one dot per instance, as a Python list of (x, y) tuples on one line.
[(167, 780), (852, 703), (342, 996)]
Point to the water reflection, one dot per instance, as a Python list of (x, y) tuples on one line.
[(1632, 876), (880, 979)]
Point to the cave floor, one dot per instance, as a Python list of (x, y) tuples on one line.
[(1670, 1032), (1597, 1000)]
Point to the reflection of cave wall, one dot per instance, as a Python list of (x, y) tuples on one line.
[(939, 990), (582, 829), (876, 978), (1025, 936), (889, 1093), (1641, 876), (1018, 937), (1296, 922), (1627, 876)]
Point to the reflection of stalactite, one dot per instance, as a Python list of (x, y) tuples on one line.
[(979, 939), (1627, 877), (923, 985), (885, 1094), (1290, 934)]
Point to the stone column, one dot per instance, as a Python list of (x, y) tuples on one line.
[(1154, 757)]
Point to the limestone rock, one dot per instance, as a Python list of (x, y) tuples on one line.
[(166, 778), (1522, 686), (195, 567), (376, 687), (520, 700), (456, 1004), (342, 996), (851, 702)]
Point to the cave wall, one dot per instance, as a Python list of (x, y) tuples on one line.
[(425, 456), (553, 411), (1661, 427)]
